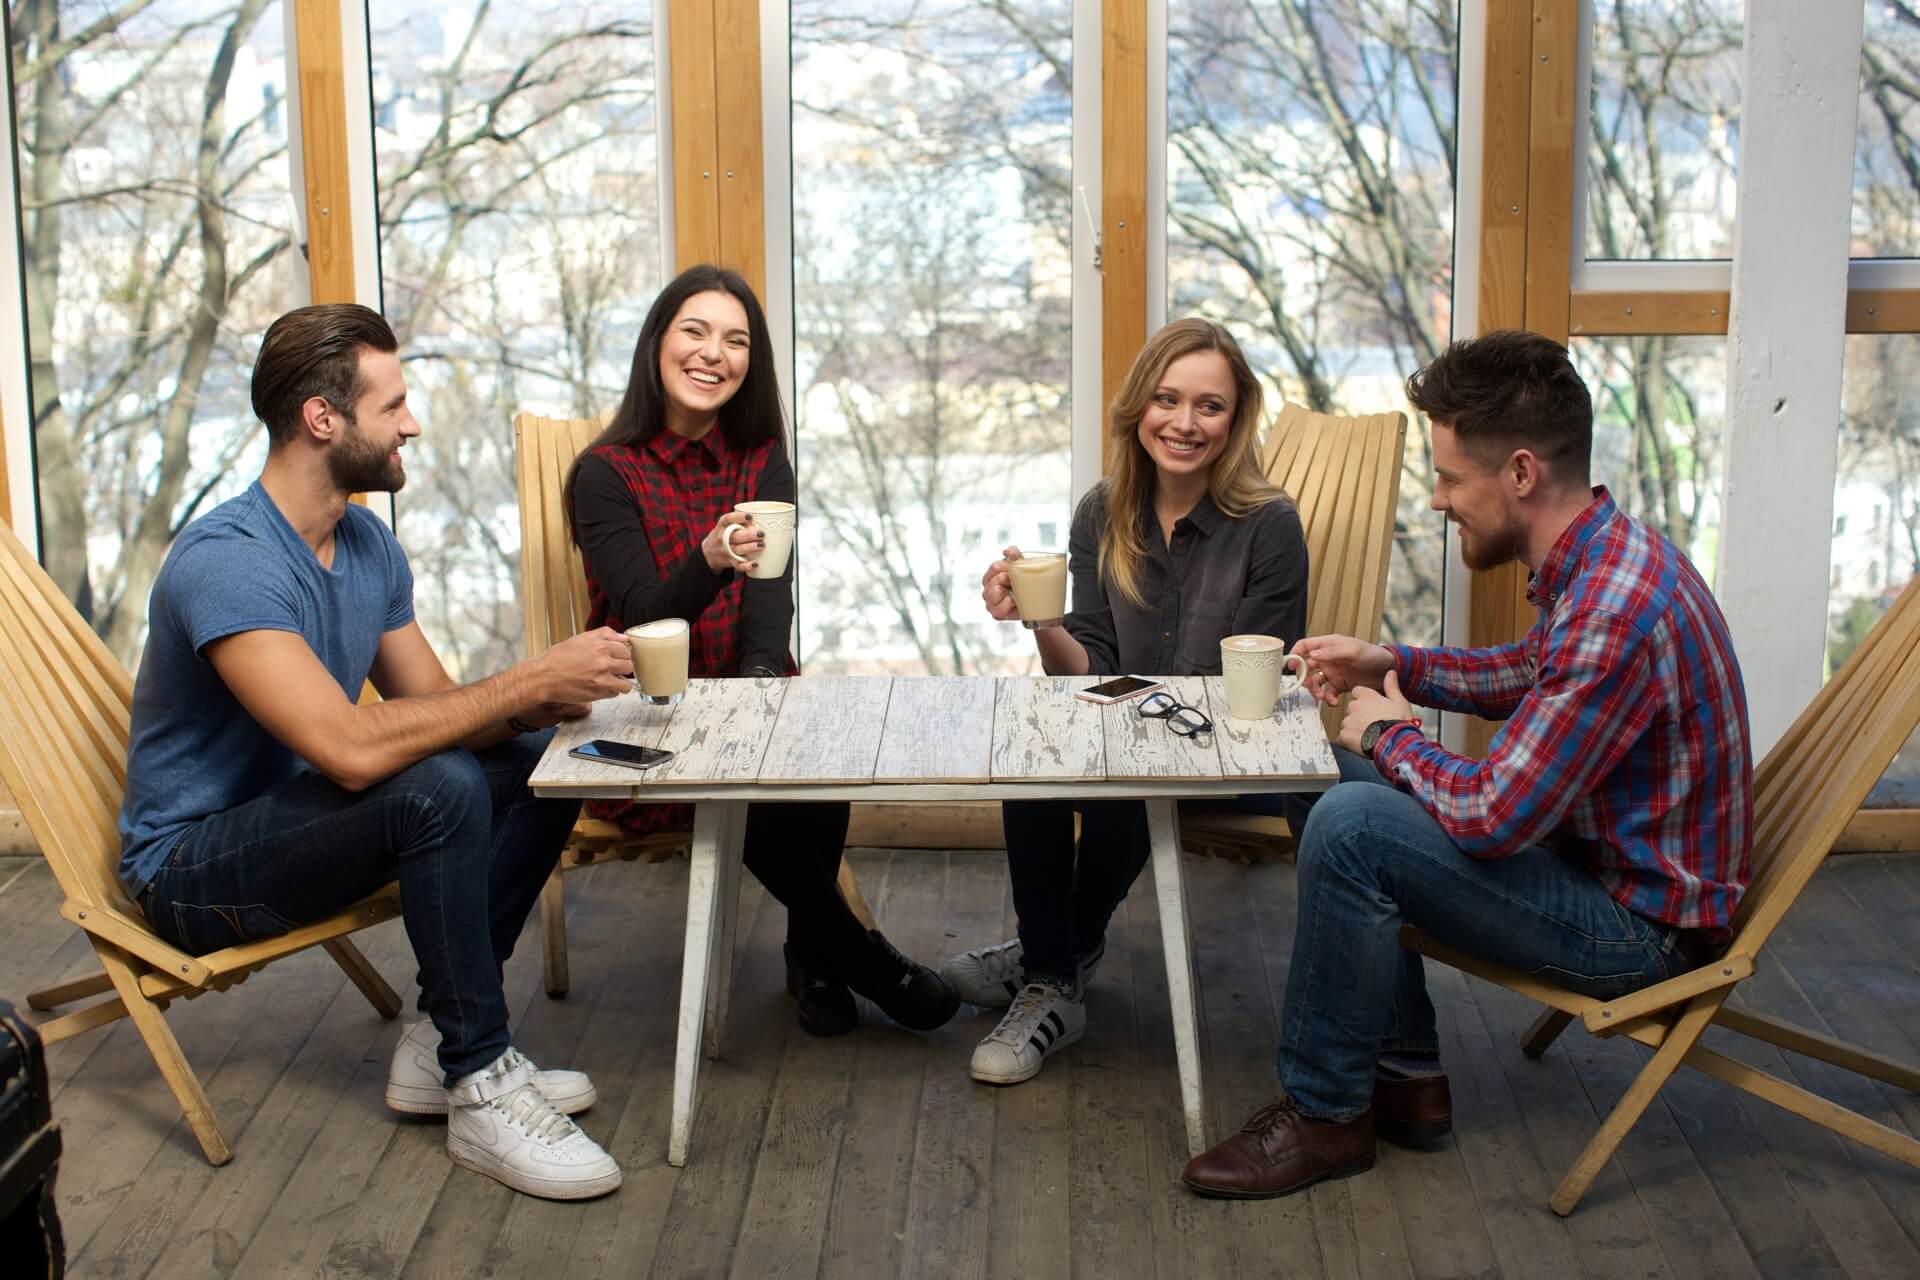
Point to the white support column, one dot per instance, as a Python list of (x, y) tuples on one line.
[(1785, 342), (16, 403)]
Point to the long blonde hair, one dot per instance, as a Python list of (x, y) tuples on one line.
[(1235, 484)]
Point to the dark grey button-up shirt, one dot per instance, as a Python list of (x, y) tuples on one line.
[(1219, 577)]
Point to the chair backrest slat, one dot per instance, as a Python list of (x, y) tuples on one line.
[(1817, 776), (1344, 476), (64, 711), (554, 579)]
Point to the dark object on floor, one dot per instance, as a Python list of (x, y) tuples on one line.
[(30, 1242)]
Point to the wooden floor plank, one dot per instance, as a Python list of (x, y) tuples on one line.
[(876, 1155), (730, 1119), (949, 1219), (866, 1222), (1611, 1227), (629, 1050), (1107, 1234), (1190, 1233), (1355, 1222)]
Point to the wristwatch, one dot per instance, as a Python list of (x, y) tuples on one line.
[(1370, 736)]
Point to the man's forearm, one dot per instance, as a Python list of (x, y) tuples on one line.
[(386, 737)]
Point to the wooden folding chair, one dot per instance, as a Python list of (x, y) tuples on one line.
[(553, 595), (64, 717), (1343, 473), (1805, 791)]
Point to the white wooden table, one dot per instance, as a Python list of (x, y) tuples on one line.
[(924, 738)]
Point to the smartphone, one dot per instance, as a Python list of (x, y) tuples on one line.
[(626, 753), (1120, 689)]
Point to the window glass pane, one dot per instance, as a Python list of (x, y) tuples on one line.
[(1886, 154), (1876, 512), (1310, 181), (932, 309), (158, 245), (1664, 121), (519, 250), (1659, 429)]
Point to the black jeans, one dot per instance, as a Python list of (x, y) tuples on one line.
[(1064, 901), (794, 849), (470, 845)]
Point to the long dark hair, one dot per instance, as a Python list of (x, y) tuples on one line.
[(750, 417)]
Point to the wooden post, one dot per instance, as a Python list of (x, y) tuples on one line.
[(1123, 194)]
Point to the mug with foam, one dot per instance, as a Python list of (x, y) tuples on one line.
[(776, 520), (1258, 671), (660, 659), (1039, 581)]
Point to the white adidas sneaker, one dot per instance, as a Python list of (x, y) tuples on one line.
[(1041, 1020), (990, 977), (415, 1084), (499, 1124)]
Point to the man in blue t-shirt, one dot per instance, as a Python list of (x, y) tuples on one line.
[(261, 795)]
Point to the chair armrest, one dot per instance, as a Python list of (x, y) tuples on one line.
[(129, 934), (1606, 1019)]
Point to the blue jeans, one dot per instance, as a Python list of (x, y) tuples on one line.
[(470, 845), (1065, 900), (1371, 860)]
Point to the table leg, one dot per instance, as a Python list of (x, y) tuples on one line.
[(1170, 887), (703, 899), (733, 831)]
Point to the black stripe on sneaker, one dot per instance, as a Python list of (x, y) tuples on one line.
[(1044, 1030), (1059, 1027), (1038, 1048)]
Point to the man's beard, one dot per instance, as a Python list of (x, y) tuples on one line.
[(1493, 548), (357, 465)]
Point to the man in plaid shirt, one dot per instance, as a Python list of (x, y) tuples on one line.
[(1602, 844)]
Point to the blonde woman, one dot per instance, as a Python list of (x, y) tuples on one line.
[(1184, 544)]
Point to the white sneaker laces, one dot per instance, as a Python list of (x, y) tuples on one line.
[(1033, 1003), (528, 1110)]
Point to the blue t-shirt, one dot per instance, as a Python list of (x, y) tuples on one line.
[(194, 750)]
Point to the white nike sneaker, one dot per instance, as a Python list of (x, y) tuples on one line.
[(414, 1080), (499, 1124), (991, 977), (1042, 1019)]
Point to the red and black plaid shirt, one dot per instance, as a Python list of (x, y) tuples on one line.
[(680, 488)]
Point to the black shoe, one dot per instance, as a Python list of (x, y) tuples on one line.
[(911, 994), (826, 1006)]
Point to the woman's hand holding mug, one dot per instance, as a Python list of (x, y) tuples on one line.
[(996, 588), (733, 525)]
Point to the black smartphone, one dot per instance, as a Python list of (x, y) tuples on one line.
[(1120, 689), (626, 753)]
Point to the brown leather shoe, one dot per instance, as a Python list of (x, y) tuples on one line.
[(1415, 1112), (1279, 1151)]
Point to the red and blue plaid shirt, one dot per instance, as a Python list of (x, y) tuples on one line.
[(1626, 742)]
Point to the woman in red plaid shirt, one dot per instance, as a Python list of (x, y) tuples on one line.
[(700, 429)]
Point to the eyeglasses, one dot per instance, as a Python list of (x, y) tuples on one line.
[(1181, 718)]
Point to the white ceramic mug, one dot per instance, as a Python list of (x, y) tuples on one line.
[(1258, 671), (776, 520), (1039, 583), (660, 652)]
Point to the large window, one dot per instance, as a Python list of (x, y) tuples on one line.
[(1310, 191), (519, 250), (1665, 116), (157, 224), (932, 309), (1886, 156), (1659, 427)]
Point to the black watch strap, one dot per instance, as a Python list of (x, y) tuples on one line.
[(1370, 736)]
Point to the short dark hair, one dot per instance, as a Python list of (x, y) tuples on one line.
[(1508, 390), (315, 351)]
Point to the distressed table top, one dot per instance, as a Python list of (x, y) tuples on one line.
[(935, 738)]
